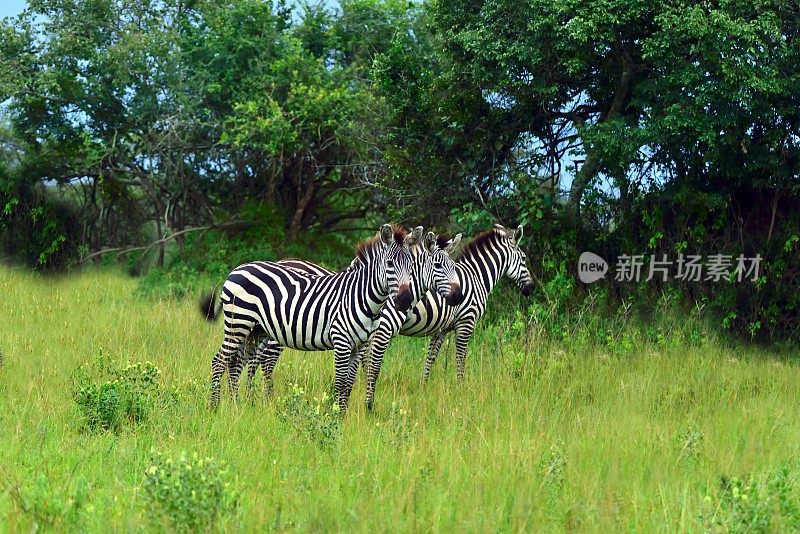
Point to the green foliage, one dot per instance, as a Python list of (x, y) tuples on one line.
[(617, 126), (190, 492), (689, 443), (207, 258), (50, 508), (766, 503), (558, 313), (160, 116), (118, 397), (317, 418), (36, 229)]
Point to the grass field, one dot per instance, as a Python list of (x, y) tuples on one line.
[(667, 437)]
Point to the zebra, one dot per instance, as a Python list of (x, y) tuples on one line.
[(491, 255), (336, 311), (432, 267)]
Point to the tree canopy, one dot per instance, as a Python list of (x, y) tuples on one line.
[(614, 125)]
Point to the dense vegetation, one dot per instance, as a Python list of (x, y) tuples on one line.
[(179, 138), (154, 132), (103, 405)]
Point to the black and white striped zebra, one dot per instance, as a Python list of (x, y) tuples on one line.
[(432, 269), (337, 311), (490, 256), (487, 258)]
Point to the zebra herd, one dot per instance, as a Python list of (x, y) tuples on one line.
[(399, 283)]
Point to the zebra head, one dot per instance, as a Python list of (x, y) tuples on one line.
[(517, 266), (438, 270), (397, 263)]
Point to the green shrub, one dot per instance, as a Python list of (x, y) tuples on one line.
[(47, 507), (189, 493), (318, 417), (689, 444), (122, 396), (758, 504), (36, 228)]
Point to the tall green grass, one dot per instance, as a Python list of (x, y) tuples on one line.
[(611, 432)]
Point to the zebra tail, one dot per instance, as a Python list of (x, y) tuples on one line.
[(209, 307)]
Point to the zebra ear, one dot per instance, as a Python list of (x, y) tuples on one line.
[(430, 242), (414, 237), (517, 235), (387, 235), (452, 244)]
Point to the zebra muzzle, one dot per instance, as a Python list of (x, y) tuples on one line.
[(527, 289), (403, 299), (455, 297)]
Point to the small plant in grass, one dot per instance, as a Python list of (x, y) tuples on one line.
[(317, 417), (121, 395), (189, 493), (553, 463), (757, 504), (50, 508), (553, 466), (689, 443), (398, 424)]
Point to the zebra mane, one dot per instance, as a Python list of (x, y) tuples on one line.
[(442, 240), (472, 248), (365, 248)]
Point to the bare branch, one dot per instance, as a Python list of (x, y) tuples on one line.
[(122, 251)]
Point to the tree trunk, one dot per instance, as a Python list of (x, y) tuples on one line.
[(591, 166), (161, 250), (303, 203)]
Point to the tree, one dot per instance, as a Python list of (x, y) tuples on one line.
[(155, 118), (579, 91)]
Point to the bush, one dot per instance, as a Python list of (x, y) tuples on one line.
[(126, 396), (189, 493), (757, 504), (36, 229), (51, 508), (318, 418)]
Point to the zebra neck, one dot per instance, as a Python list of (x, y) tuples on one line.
[(482, 272), (367, 289)]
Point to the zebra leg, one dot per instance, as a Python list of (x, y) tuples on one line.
[(388, 327), (375, 359), (364, 357), (231, 344), (252, 366), (235, 366), (244, 356), (463, 333), (342, 361), (356, 356), (433, 351), (268, 358)]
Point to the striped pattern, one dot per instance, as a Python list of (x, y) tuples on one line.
[(432, 269), (490, 256), (269, 301)]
